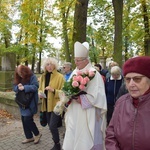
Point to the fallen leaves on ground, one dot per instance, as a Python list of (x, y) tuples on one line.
[(5, 114)]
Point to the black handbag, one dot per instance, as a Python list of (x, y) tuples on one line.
[(43, 118), (23, 99)]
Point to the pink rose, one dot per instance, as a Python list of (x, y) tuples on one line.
[(81, 87), (75, 78), (75, 84), (79, 73), (86, 79), (83, 81), (79, 78), (91, 73), (86, 72)]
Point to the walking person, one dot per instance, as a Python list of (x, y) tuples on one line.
[(129, 126), (85, 117), (112, 86), (111, 64), (102, 71), (25, 80), (51, 81), (98, 67), (67, 69)]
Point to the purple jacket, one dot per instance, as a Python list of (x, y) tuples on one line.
[(129, 128)]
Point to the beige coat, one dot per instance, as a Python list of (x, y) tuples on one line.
[(56, 82)]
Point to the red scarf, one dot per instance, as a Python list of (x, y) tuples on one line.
[(136, 101)]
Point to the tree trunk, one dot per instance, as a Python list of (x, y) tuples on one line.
[(65, 14), (33, 59), (80, 20), (118, 10), (146, 28)]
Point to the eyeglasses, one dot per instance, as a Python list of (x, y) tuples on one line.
[(79, 60), (136, 79)]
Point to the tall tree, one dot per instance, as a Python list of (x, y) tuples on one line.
[(80, 22), (118, 11), (126, 25), (31, 31), (146, 28), (65, 10)]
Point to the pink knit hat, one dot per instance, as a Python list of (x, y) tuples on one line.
[(140, 64)]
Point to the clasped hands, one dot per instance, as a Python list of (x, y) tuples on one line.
[(20, 87), (48, 88), (77, 96), (77, 99)]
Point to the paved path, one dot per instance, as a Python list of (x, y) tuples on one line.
[(11, 135)]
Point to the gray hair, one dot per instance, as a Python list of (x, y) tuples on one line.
[(115, 70), (52, 61), (68, 64)]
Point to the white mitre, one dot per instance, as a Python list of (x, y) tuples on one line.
[(81, 50)]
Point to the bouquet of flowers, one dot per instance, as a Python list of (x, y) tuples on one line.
[(72, 89)]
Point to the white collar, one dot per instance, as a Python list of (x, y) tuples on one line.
[(111, 78)]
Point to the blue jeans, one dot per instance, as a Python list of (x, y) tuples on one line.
[(29, 126), (53, 120)]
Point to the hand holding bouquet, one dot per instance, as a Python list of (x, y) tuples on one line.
[(72, 89)]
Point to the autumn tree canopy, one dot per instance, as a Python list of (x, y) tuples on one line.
[(113, 28)]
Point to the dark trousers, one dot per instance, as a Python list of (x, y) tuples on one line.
[(29, 126), (53, 121), (110, 110)]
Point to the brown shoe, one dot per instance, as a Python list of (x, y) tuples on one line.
[(27, 140), (37, 138)]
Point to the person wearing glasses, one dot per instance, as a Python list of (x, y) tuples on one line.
[(129, 126), (85, 118), (67, 69)]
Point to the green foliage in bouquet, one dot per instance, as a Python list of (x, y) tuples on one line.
[(68, 89), (78, 82)]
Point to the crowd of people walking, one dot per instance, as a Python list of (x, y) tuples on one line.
[(112, 113)]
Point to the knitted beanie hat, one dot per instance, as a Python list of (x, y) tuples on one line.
[(140, 64)]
